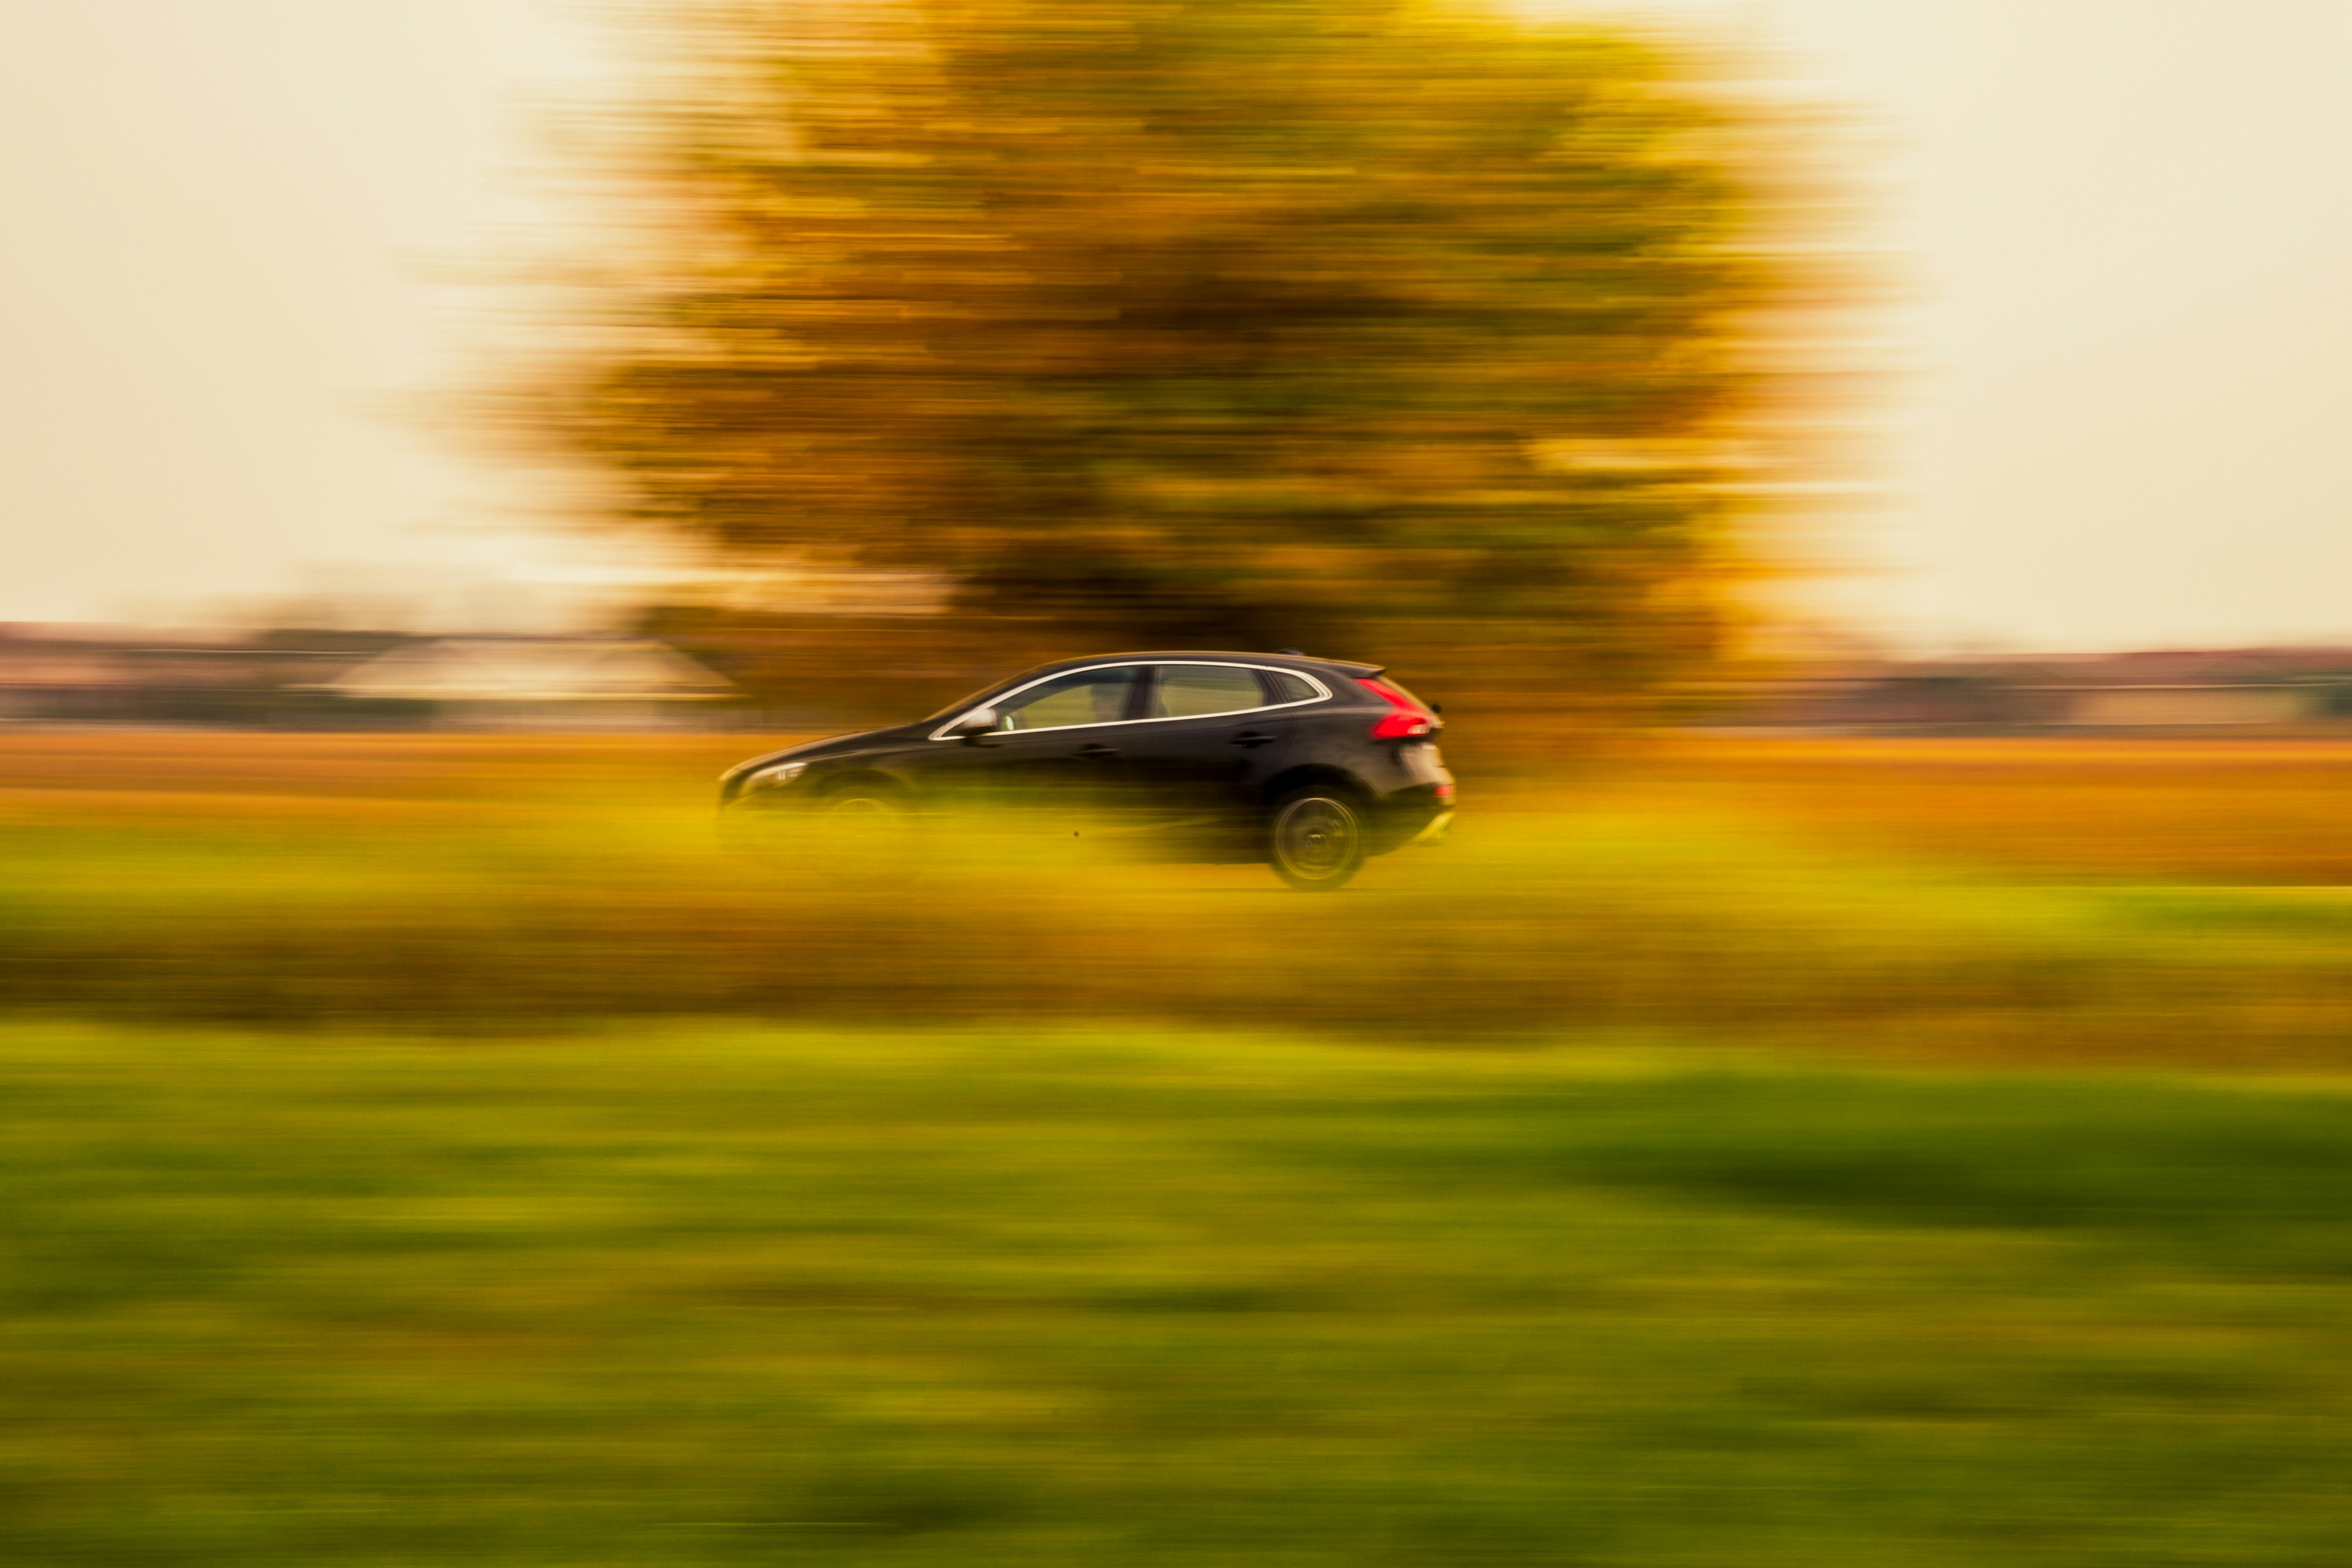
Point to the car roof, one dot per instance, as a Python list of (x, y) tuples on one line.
[(1346, 666), (1353, 668)]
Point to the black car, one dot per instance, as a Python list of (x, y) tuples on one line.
[(1307, 765)]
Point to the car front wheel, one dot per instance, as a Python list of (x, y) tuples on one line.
[(855, 837), (1315, 840), (866, 837)]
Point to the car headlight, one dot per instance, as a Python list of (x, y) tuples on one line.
[(776, 777)]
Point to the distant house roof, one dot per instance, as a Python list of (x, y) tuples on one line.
[(531, 670), (2189, 668)]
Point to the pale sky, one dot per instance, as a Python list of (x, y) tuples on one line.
[(2129, 221)]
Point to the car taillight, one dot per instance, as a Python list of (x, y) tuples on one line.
[(1402, 726), (1410, 722)]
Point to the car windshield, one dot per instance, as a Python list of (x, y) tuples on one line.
[(964, 705)]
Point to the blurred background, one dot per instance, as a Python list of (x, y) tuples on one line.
[(1865, 1083)]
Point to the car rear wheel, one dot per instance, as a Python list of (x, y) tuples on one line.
[(1315, 840)]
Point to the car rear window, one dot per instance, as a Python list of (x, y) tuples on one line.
[(1194, 691)]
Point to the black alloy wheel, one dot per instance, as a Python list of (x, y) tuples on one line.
[(865, 837), (859, 838), (756, 825), (1315, 840)]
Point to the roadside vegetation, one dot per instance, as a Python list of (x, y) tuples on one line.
[(2129, 904), (1736, 1152)]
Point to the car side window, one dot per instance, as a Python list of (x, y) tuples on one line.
[(1281, 686), (1194, 691), (1081, 697)]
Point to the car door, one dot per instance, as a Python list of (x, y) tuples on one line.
[(1210, 731), (1056, 758)]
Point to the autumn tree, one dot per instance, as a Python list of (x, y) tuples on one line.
[(1348, 324)]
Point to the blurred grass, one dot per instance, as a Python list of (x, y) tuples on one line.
[(703, 1295), (431, 1149), (2115, 902)]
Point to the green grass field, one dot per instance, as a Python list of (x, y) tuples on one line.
[(700, 1295), (432, 1153)]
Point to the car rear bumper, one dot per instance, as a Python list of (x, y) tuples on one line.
[(1418, 814), (1433, 833)]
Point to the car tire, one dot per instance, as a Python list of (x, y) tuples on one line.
[(852, 837), (1315, 838), (865, 837), (755, 825)]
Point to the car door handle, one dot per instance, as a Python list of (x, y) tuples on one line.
[(1094, 751), (1255, 738)]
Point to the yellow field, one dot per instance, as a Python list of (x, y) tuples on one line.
[(2014, 900), (2253, 811)]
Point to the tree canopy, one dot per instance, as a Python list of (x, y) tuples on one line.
[(1205, 323)]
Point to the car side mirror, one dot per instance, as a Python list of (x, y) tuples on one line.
[(973, 725)]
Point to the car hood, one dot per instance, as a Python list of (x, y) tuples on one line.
[(831, 746)]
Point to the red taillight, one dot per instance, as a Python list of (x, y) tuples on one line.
[(1410, 722)]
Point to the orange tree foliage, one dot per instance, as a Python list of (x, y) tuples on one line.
[(1335, 322)]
